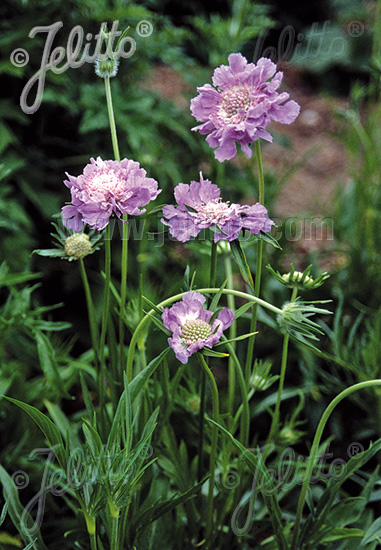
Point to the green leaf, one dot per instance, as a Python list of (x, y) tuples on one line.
[(211, 353), (373, 533), (269, 239), (152, 305), (50, 431), (343, 534), (48, 363), (157, 510), (214, 303), (243, 309), (242, 337), (140, 380), (20, 518), (240, 258)]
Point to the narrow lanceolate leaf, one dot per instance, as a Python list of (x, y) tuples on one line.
[(21, 519), (211, 353), (269, 239), (240, 258), (242, 337), (214, 304), (138, 382), (50, 430)]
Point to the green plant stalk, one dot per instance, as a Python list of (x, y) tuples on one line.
[(232, 334), (90, 310), (245, 419), (213, 449), (124, 266), (105, 317), (91, 527), (123, 293), (213, 265), (286, 338), (168, 301), (114, 137), (258, 272), (315, 447), (114, 532)]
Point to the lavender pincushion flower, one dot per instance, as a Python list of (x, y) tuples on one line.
[(241, 103), (200, 206), (105, 188), (190, 327)]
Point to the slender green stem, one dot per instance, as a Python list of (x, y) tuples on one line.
[(168, 301), (105, 316), (90, 310), (212, 283), (213, 265), (258, 271), (201, 418), (93, 541), (213, 449), (286, 338), (123, 294), (245, 419), (232, 334), (124, 267), (91, 526), (315, 446), (114, 137)]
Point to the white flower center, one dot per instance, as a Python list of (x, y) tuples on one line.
[(194, 330), (214, 212), (108, 184), (235, 103)]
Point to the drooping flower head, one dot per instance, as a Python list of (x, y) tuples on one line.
[(105, 188), (241, 103), (200, 206), (190, 325)]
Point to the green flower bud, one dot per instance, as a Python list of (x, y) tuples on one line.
[(78, 245), (106, 67)]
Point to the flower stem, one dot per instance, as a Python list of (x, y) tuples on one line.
[(90, 310), (232, 334), (114, 137), (123, 293), (258, 271), (124, 266), (201, 425), (245, 423), (315, 446), (105, 315), (286, 338), (213, 265), (213, 448)]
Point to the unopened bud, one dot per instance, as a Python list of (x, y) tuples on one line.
[(78, 245)]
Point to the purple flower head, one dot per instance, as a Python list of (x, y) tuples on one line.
[(190, 326), (200, 206), (105, 188), (241, 103)]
